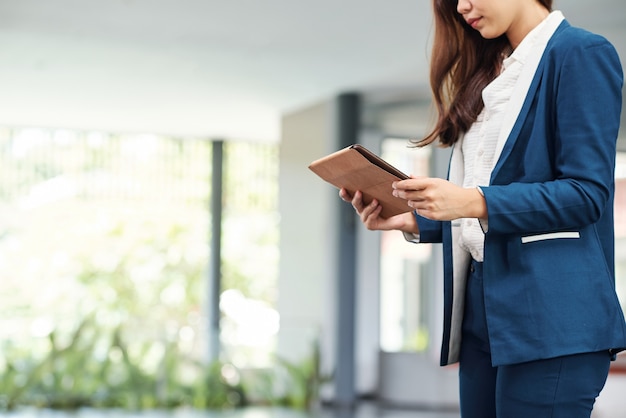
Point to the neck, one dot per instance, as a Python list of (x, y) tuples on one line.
[(528, 20)]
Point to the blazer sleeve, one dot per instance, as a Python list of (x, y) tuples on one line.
[(585, 91), (429, 231)]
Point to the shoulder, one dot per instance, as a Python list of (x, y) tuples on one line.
[(568, 38), (581, 51)]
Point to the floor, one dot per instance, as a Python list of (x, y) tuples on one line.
[(363, 411), (611, 404)]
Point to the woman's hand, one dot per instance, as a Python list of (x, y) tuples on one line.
[(370, 214), (440, 200)]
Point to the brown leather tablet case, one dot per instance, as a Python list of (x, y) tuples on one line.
[(356, 168)]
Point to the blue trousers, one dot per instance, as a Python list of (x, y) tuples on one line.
[(562, 387)]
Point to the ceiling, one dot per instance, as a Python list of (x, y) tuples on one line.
[(217, 69)]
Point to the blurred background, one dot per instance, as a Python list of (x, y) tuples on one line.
[(162, 242)]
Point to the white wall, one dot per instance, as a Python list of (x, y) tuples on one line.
[(308, 274), (307, 245)]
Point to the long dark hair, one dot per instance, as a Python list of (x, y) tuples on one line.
[(462, 64)]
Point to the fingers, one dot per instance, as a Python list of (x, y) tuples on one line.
[(357, 202), (364, 211), (370, 216), (344, 195), (412, 183), (417, 189)]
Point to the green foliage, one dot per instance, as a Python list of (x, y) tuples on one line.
[(97, 369), (103, 259), (303, 379)]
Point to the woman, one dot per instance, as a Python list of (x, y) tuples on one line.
[(531, 107)]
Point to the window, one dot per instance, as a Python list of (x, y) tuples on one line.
[(406, 282), (103, 260)]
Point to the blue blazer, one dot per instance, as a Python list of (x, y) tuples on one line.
[(549, 278)]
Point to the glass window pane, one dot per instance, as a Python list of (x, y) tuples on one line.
[(405, 285)]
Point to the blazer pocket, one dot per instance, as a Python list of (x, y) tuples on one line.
[(551, 235)]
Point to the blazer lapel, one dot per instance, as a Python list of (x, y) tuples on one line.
[(516, 112)]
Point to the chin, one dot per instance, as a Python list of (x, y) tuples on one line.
[(489, 35)]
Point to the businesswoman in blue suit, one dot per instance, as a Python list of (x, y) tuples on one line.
[(531, 107)]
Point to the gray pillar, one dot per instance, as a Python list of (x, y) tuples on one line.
[(215, 261), (348, 115)]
